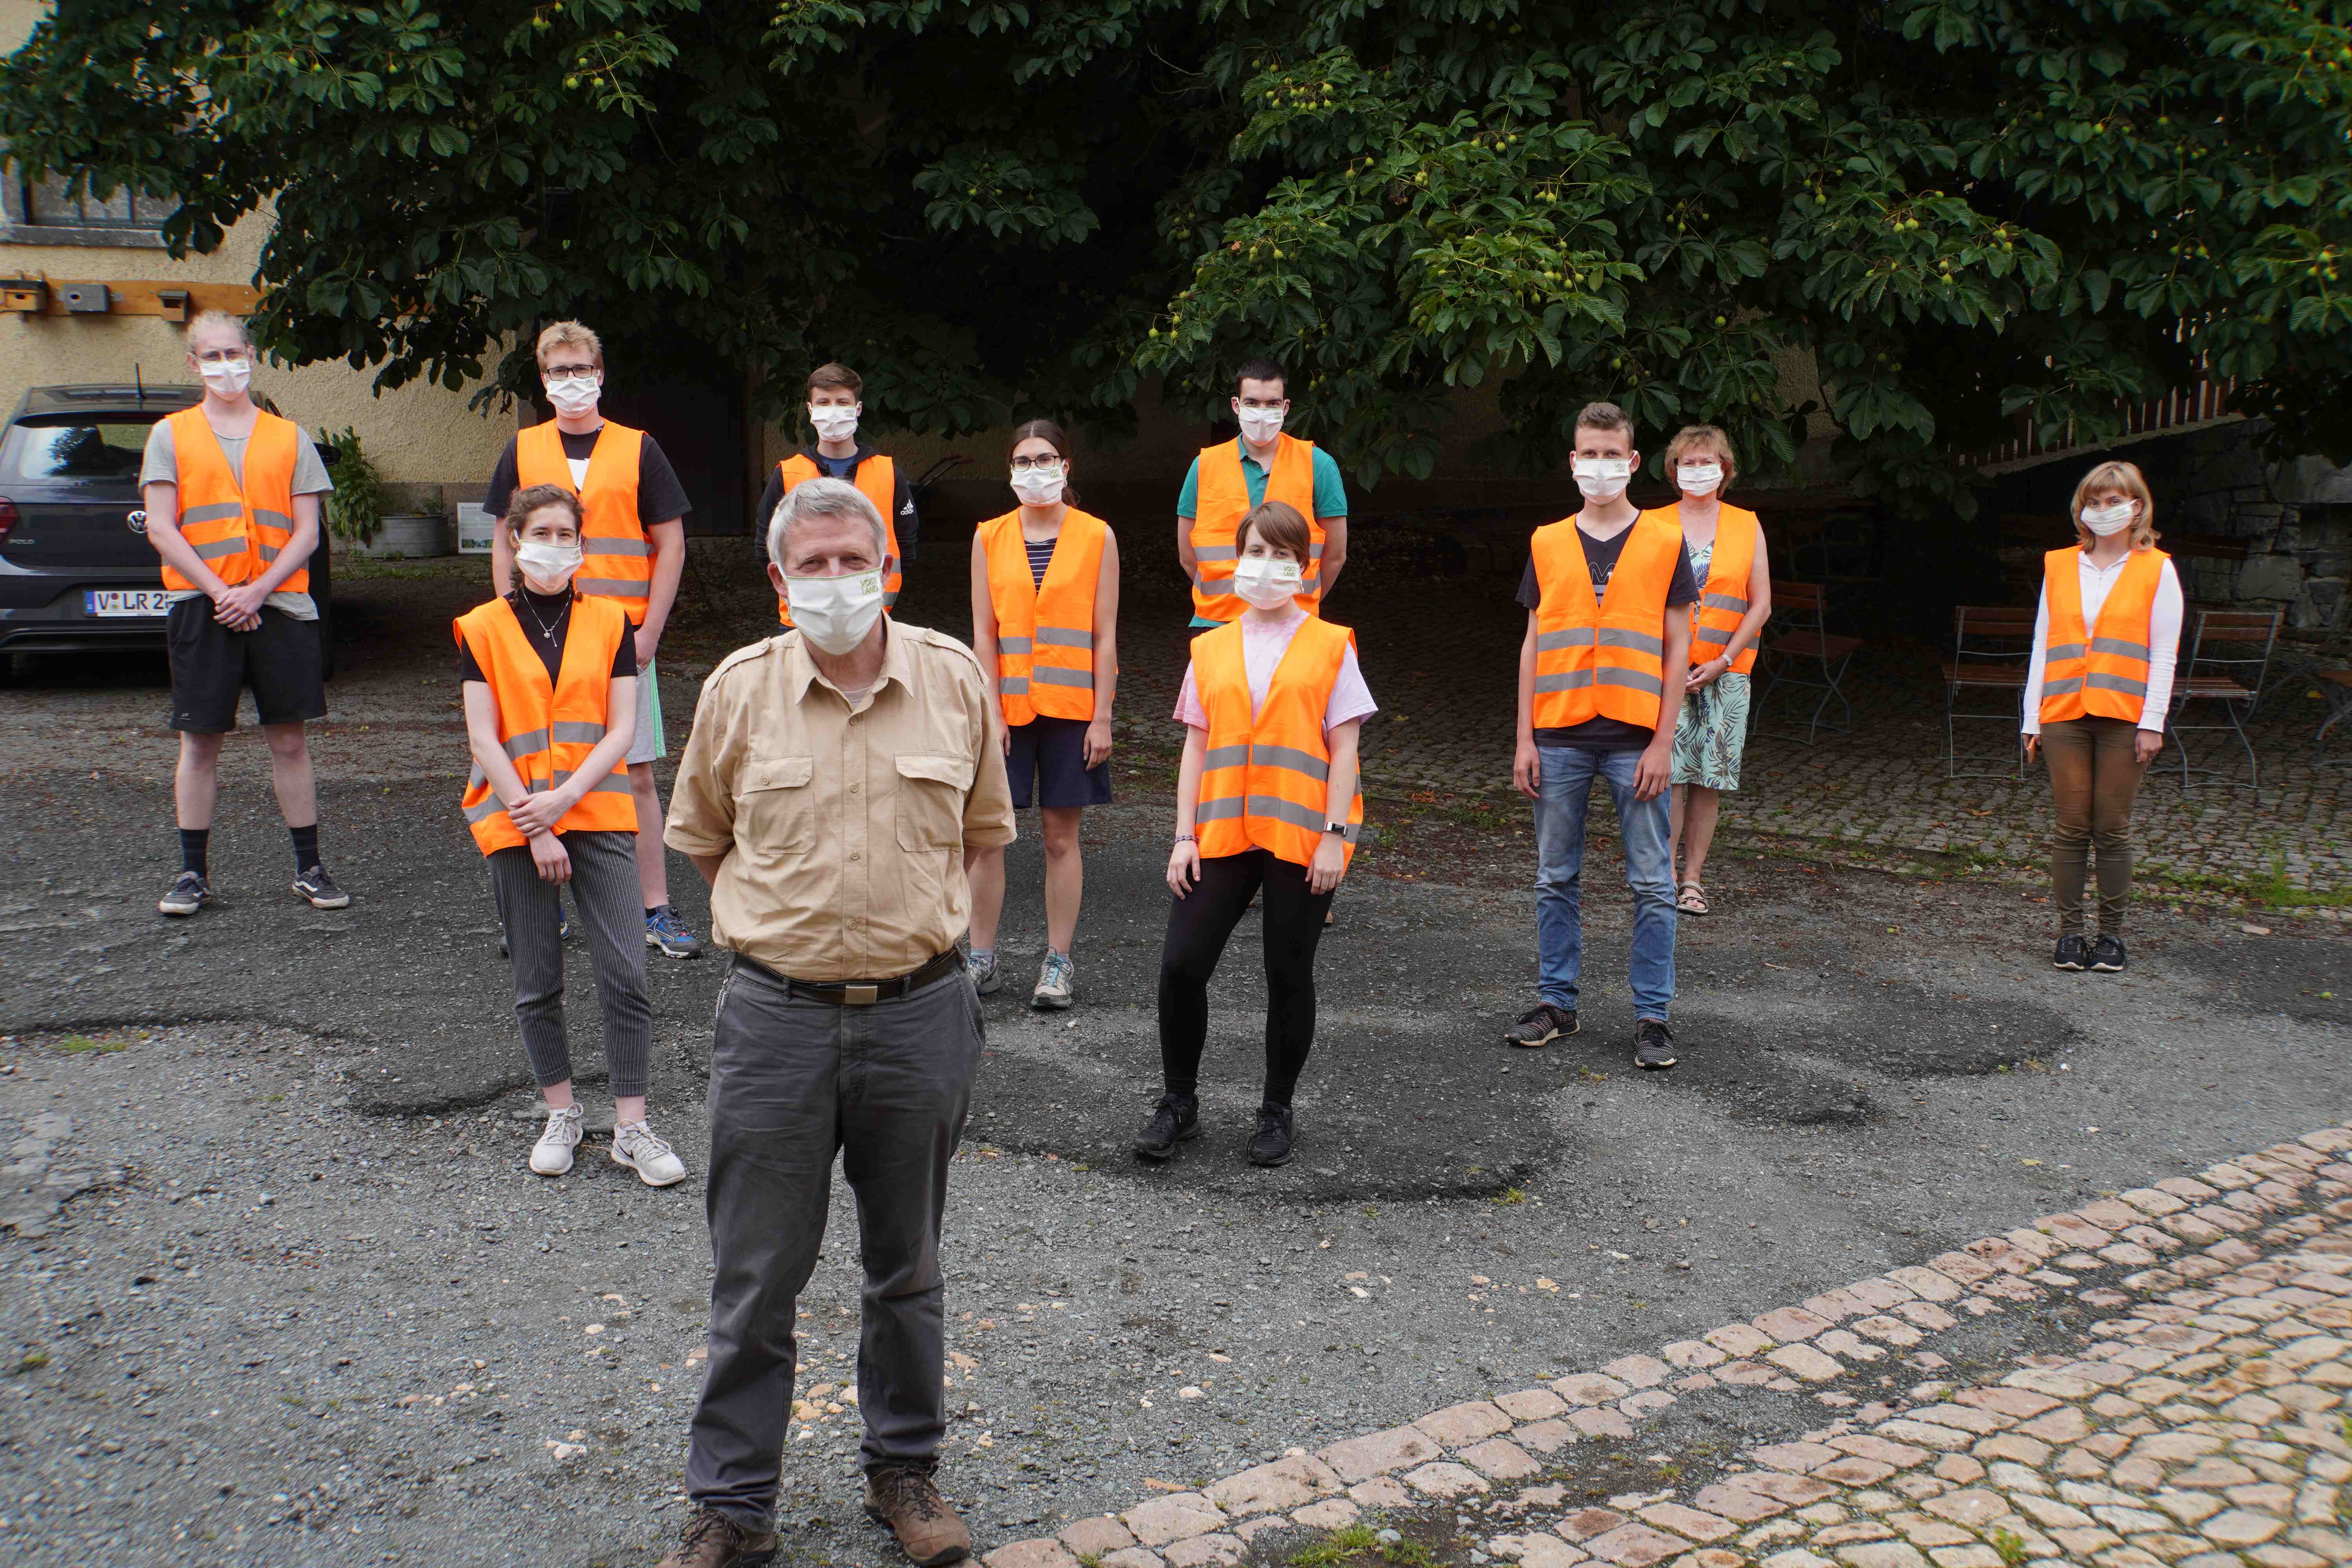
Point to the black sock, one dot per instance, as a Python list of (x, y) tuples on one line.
[(193, 844), (652, 910), (305, 846)]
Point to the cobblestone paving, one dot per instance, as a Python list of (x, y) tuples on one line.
[(2201, 1425)]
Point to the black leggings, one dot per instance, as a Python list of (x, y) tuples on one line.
[(1198, 925)]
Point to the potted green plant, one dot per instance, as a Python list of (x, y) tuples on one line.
[(355, 506)]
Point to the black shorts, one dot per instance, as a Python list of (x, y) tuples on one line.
[(1050, 755), (211, 665)]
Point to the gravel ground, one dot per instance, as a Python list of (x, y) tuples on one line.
[(303, 1304)]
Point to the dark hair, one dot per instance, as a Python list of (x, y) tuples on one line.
[(1260, 369), (1045, 430), (1605, 416), (1277, 522), (528, 500), (836, 375)]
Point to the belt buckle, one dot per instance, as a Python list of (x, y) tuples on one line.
[(860, 996)]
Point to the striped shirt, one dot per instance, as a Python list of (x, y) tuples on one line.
[(1041, 555)]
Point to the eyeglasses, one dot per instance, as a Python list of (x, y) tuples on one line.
[(1024, 465), (570, 371)]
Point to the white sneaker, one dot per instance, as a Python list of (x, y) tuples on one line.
[(551, 1155), (654, 1161)]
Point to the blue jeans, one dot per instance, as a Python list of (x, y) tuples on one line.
[(1565, 795)]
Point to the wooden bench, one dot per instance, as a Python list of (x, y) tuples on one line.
[(1805, 653), (1992, 650), (2225, 658)]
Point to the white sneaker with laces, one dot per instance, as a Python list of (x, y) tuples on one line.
[(551, 1155), (654, 1161)]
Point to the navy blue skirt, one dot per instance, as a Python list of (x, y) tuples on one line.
[(1049, 762)]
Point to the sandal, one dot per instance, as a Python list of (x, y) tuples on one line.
[(1692, 901)]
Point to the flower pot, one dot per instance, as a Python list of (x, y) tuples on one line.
[(409, 538)]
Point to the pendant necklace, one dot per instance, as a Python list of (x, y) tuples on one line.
[(545, 630)]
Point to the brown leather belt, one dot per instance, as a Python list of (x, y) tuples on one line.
[(860, 993)]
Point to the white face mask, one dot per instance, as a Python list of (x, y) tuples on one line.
[(1699, 479), (1039, 486), (552, 564), (835, 613), (572, 394), (1260, 425), (832, 422), (1265, 582), (2103, 521), (1601, 478), (226, 377)]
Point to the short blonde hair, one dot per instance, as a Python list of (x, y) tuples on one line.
[(1690, 435), (223, 320), (570, 335), (2126, 477)]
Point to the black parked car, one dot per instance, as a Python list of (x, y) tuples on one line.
[(77, 574)]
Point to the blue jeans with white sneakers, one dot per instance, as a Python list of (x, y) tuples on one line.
[(1565, 795)]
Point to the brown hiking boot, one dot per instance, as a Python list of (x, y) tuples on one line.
[(927, 1527), (712, 1540)]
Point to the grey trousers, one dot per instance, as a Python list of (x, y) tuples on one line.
[(612, 911), (791, 1083)]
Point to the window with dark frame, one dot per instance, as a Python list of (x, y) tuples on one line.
[(44, 212)]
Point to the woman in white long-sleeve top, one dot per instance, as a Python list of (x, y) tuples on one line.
[(2105, 647)]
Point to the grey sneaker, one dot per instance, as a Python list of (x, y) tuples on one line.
[(319, 888), (986, 978), (188, 895), (657, 1164), (551, 1155), (1056, 983), (1654, 1045)]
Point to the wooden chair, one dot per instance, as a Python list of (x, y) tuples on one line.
[(2226, 659), (1806, 654), (1992, 649), (2336, 685)]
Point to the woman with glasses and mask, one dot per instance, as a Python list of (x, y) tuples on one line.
[(1045, 618)]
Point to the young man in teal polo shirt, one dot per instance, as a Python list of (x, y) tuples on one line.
[(1242, 474)]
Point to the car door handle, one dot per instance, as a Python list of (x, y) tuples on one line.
[(136, 520)]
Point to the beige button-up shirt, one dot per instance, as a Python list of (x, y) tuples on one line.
[(843, 826)]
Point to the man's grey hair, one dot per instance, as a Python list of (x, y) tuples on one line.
[(824, 498)]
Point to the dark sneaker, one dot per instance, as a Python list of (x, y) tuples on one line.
[(712, 1540), (563, 925), (2074, 952), (319, 888), (928, 1530), (1176, 1117), (2108, 957), (1272, 1145), (188, 895), (1654, 1045), (1540, 1025), (662, 930)]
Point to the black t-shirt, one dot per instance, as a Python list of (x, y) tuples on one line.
[(907, 526), (659, 495), (1604, 734), (538, 613)]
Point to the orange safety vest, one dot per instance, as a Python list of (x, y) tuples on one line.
[(1045, 635), (548, 730), (1722, 599), (236, 530), (1220, 502), (1602, 659), (2098, 670), (616, 562), (1265, 782), (876, 479)]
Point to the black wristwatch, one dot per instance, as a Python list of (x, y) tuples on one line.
[(1339, 827)]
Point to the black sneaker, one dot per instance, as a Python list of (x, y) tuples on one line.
[(1272, 1145), (2108, 956), (1540, 1025), (2074, 952), (188, 895), (319, 888), (1654, 1045), (1176, 1117)]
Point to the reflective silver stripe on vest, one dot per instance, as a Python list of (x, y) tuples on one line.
[(1314, 553), (572, 733), (220, 548), (599, 545), (1573, 636), (269, 519), (1297, 762), (489, 807), (268, 551), (524, 744), (1015, 686), (1641, 642), (1046, 675), (1215, 552), (1065, 637), (2137, 650), (1631, 678), (2057, 652), (2106, 682), (611, 784), (2060, 687), (889, 597), (614, 587), (212, 514), (1012, 644), (1226, 757), (1574, 680), (1218, 810), (1297, 816), (1723, 602)]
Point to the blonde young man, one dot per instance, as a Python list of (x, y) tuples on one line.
[(232, 496), (634, 548)]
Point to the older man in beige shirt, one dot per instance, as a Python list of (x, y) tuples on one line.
[(835, 776)]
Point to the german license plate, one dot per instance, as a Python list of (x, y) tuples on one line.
[(125, 601)]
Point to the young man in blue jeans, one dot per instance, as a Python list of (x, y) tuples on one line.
[(1608, 594)]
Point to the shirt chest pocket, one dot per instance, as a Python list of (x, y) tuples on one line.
[(775, 807), (929, 808)]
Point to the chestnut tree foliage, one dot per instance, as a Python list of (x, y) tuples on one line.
[(1964, 209)]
